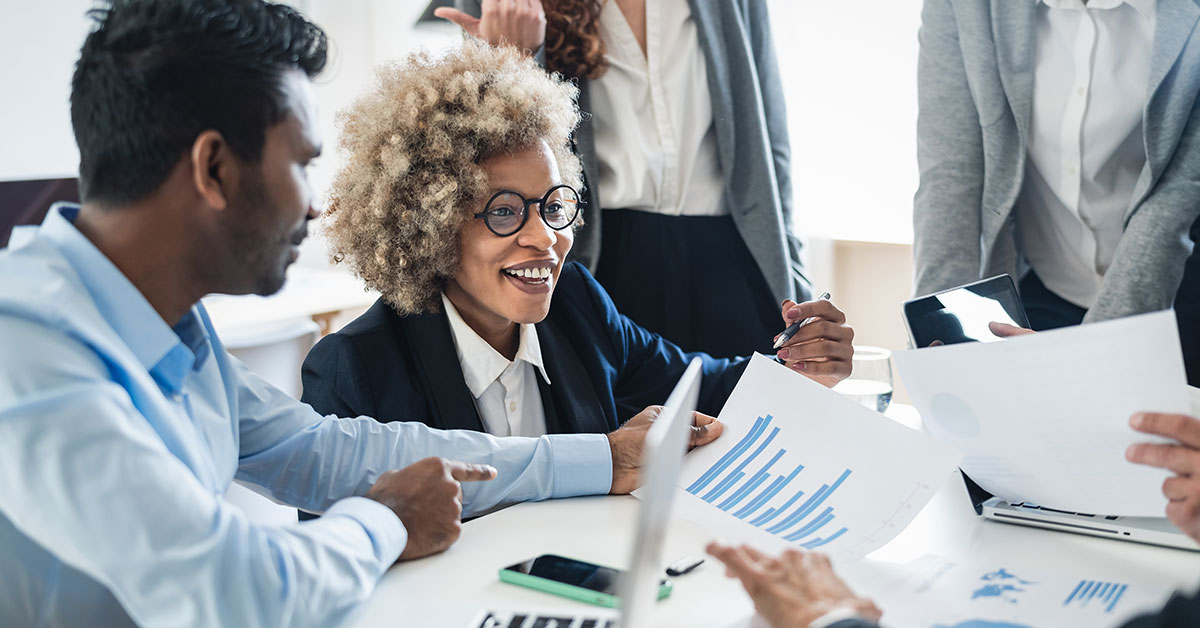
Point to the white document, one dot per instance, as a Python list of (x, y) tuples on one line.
[(935, 592), (800, 465), (1044, 418)]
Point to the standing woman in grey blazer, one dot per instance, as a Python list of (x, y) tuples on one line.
[(1059, 142), (685, 150)]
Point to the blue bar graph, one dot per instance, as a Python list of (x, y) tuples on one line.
[(771, 491), (715, 494), (1120, 590), (819, 542), (734, 485), (755, 480), (1074, 593), (729, 457), (825, 517), (816, 500), (1106, 593)]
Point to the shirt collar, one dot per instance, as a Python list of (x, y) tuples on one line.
[(1145, 8), (167, 353), (481, 363)]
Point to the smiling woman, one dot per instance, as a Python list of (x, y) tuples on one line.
[(416, 147), (459, 204)]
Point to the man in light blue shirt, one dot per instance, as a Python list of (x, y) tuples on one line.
[(122, 418)]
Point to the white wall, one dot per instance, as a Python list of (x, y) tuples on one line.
[(39, 43), (850, 71)]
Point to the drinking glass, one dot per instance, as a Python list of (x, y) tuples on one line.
[(870, 381)]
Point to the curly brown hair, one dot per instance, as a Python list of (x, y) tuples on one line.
[(413, 148), (573, 44)]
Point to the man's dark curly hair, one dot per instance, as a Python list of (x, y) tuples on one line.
[(154, 74)]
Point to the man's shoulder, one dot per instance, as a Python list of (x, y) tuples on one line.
[(37, 282)]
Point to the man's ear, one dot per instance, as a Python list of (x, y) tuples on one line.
[(214, 169)]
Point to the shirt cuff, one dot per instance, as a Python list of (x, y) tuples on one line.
[(387, 533), (834, 617), (582, 464)]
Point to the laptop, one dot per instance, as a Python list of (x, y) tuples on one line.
[(950, 317), (666, 444)]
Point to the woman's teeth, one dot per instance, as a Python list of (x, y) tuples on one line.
[(529, 273)]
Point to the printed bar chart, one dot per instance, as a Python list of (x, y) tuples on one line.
[(728, 478), (1106, 594), (798, 465)]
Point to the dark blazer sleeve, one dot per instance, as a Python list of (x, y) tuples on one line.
[(645, 366), (854, 623), (334, 379), (1181, 611)]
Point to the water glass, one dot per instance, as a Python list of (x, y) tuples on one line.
[(870, 381)]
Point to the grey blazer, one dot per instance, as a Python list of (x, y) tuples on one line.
[(975, 79), (752, 141)]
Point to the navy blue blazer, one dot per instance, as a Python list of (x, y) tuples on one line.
[(604, 368)]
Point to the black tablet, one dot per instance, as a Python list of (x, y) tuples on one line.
[(962, 314)]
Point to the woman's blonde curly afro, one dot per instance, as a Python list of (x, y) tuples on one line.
[(414, 145)]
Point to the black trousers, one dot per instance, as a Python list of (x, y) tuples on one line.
[(690, 279), (1187, 310), (1045, 309)]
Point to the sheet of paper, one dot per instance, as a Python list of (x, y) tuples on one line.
[(1044, 418), (800, 465), (936, 592)]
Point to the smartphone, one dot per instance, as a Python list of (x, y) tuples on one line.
[(962, 314), (571, 578)]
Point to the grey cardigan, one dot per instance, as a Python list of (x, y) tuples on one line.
[(752, 141), (975, 79)]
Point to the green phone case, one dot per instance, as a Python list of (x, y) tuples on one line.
[(570, 591)]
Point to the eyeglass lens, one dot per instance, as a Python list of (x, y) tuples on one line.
[(505, 212)]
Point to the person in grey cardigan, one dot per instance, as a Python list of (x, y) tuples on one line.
[(1059, 142), (685, 148)]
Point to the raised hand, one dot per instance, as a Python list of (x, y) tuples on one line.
[(520, 23)]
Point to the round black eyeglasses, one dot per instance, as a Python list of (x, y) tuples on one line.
[(507, 212)]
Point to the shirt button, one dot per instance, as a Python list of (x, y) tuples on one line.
[(1071, 170), (1079, 90), (512, 405)]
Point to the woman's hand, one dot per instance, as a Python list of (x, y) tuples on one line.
[(793, 590), (822, 349), (520, 23)]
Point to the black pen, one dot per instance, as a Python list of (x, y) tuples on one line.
[(795, 327)]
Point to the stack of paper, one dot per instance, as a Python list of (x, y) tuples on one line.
[(1044, 418)]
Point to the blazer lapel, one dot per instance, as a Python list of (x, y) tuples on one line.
[(440, 373), (1167, 112), (1014, 32), (570, 403)]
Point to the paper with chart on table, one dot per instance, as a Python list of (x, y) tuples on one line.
[(1044, 418), (800, 465), (969, 592)]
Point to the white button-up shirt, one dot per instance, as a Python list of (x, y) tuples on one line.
[(1086, 147), (653, 124), (506, 391)]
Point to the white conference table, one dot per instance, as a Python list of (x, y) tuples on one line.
[(450, 589)]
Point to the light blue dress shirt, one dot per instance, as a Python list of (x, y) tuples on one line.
[(119, 435)]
